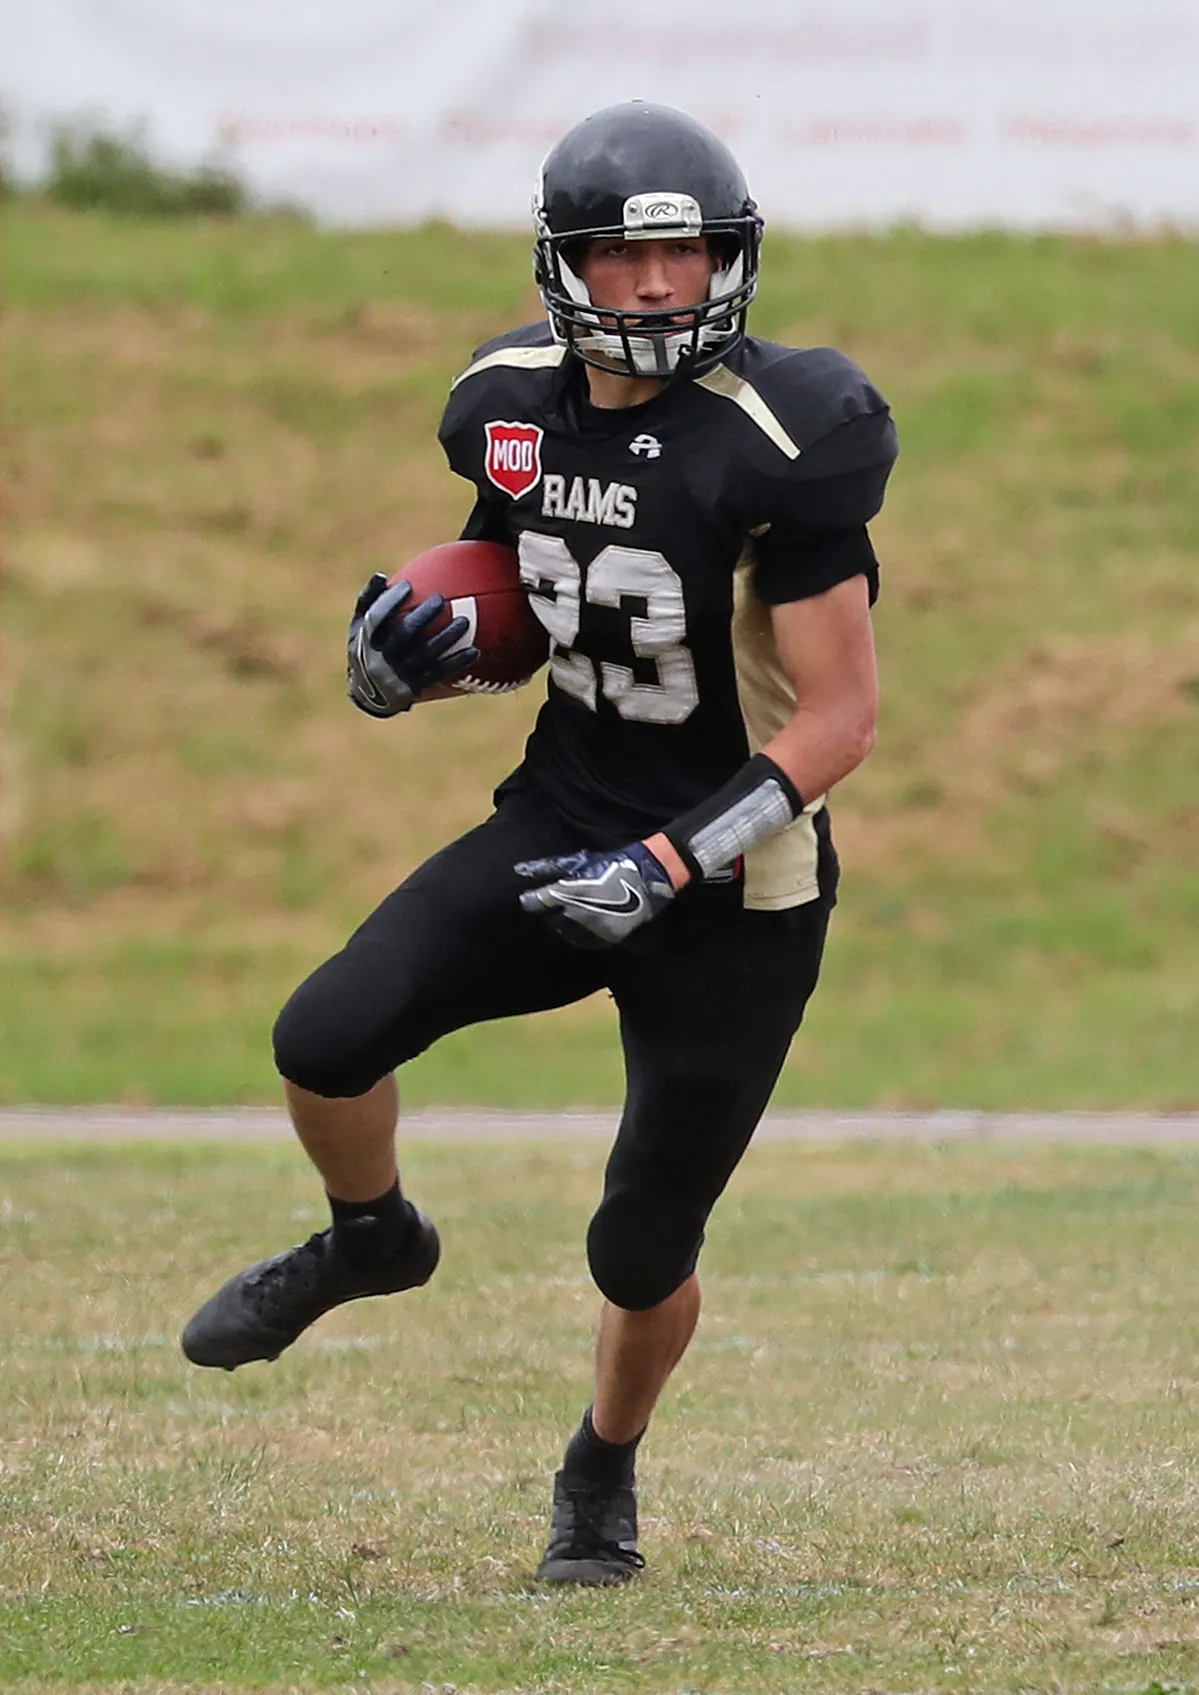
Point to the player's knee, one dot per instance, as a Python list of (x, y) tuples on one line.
[(303, 1058), (641, 1251), (315, 1051)]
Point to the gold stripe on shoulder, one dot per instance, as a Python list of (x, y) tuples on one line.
[(720, 380), (522, 358)]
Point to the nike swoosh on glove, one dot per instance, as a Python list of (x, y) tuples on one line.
[(598, 900)]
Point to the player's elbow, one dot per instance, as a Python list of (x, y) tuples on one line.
[(859, 734)]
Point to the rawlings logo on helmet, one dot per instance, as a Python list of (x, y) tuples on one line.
[(661, 208)]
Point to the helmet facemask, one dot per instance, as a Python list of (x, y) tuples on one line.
[(682, 341)]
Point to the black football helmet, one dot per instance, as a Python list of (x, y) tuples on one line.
[(643, 172)]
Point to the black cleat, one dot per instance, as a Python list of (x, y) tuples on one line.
[(263, 1309), (593, 1534)]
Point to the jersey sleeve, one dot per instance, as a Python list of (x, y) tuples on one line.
[(496, 380), (808, 513), (810, 562), (458, 434)]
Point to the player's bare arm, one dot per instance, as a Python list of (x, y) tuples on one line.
[(826, 645)]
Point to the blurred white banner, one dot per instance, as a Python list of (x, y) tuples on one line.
[(952, 113)]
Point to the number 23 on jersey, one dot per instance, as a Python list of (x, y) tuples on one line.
[(560, 593)]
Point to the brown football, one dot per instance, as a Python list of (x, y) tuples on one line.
[(481, 582)]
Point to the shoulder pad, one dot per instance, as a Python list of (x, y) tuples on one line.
[(530, 348), (509, 378), (794, 395), (824, 442)]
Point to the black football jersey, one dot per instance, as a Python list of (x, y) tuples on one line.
[(653, 541)]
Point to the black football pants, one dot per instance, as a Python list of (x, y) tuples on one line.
[(709, 1002)]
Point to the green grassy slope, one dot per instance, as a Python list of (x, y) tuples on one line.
[(215, 432)]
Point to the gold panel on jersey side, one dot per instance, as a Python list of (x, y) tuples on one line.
[(781, 871)]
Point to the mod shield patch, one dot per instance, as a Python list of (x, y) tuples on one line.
[(513, 458)]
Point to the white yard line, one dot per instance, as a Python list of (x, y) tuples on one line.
[(268, 1124)]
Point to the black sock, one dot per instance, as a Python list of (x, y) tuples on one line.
[(609, 1463), (367, 1232)]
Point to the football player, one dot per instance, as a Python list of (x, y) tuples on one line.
[(689, 507)]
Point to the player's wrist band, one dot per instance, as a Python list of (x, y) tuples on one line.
[(755, 803)]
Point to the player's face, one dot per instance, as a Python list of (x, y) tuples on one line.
[(648, 276)]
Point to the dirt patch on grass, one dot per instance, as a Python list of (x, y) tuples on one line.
[(1060, 693)]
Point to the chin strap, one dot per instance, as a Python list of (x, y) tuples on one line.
[(757, 802)]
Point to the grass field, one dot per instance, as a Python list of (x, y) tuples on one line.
[(936, 1435), (216, 431)]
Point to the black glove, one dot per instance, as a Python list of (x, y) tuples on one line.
[(598, 900), (390, 659)]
